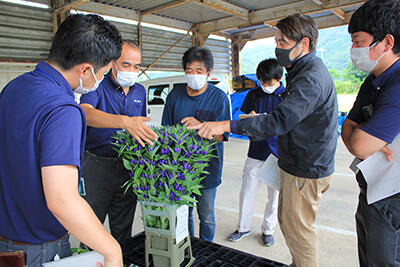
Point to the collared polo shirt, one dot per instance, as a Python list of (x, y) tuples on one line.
[(261, 102), (41, 125), (377, 106), (110, 98)]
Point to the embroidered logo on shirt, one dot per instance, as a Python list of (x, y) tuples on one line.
[(137, 101)]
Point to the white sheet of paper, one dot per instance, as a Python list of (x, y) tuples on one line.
[(87, 259), (182, 228), (382, 176), (269, 173)]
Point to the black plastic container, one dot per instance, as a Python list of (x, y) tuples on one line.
[(207, 254)]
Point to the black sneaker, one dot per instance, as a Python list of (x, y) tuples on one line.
[(268, 240), (236, 236)]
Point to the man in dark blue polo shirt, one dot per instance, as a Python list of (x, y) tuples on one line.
[(264, 99), (189, 104), (374, 122), (42, 142), (118, 103)]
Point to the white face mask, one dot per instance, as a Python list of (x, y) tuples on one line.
[(360, 58), (125, 78), (196, 82), (81, 90), (270, 89)]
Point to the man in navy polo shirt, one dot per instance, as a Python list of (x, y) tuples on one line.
[(42, 143), (198, 101), (119, 103), (374, 122), (264, 99)]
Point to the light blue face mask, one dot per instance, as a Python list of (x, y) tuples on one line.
[(82, 90)]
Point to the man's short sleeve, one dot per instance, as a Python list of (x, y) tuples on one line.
[(167, 116), (355, 114), (385, 121), (225, 113), (91, 98), (60, 137), (248, 103)]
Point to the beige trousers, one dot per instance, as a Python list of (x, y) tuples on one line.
[(299, 200)]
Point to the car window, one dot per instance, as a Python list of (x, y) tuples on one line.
[(157, 94)]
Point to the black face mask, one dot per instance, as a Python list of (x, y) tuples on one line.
[(282, 55)]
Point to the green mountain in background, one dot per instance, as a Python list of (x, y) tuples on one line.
[(335, 42)]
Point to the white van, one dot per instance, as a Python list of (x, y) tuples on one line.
[(158, 90)]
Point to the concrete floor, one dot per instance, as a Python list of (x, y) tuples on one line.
[(335, 223)]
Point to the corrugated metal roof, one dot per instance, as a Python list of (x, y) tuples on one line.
[(193, 13), (26, 35), (25, 32), (258, 4)]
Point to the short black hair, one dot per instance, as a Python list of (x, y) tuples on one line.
[(85, 38), (198, 54), (269, 69), (296, 27), (378, 18)]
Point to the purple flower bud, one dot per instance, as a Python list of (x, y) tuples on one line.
[(186, 166), (200, 162), (180, 142), (134, 149), (149, 149), (180, 187), (145, 188), (161, 141), (184, 192), (154, 163), (150, 177), (178, 198), (141, 162), (137, 187), (171, 176), (130, 174), (146, 196)]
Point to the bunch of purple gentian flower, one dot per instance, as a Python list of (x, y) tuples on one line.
[(171, 170)]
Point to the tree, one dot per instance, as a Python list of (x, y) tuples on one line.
[(353, 74)]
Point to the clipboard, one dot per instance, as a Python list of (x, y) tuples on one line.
[(244, 116)]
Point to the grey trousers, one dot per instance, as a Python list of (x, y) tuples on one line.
[(378, 231)]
